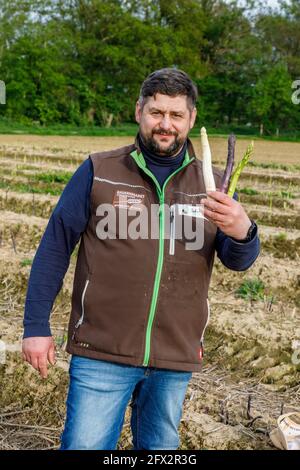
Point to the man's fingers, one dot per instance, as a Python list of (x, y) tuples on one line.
[(221, 197), (39, 363), (51, 355), (37, 350), (216, 206), (42, 366), (215, 216), (33, 360)]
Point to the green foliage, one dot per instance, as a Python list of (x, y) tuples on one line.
[(249, 191), (8, 126), (26, 262), (30, 188), (282, 236), (275, 166), (81, 63), (272, 98), (251, 289), (54, 177)]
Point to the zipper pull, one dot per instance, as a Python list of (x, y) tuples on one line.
[(78, 323), (172, 231)]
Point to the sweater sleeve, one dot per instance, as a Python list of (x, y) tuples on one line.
[(52, 259), (235, 255)]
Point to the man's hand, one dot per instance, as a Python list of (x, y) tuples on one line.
[(37, 351), (227, 214)]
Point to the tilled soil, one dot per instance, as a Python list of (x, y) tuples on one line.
[(251, 370)]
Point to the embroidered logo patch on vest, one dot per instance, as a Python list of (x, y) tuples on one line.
[(127, 199)]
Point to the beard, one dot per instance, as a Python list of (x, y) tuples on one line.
[(154, 147)]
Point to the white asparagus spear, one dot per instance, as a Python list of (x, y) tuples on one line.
[(208, 176)]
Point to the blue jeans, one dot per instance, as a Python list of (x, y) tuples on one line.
[(98, 396)]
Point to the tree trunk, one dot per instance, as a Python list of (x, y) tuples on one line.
[(261, 129), (109, 120)]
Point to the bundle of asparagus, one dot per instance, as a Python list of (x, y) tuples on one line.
[(229, 179)]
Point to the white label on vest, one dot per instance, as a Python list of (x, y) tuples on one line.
[(191, 211)]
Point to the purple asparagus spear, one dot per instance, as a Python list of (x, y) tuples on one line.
[(229, 164)]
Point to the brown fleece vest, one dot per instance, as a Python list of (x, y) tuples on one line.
[(122, 310)]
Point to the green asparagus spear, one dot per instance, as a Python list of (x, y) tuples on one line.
[(236, 174)]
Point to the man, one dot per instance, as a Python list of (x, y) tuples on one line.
[(139, 305)]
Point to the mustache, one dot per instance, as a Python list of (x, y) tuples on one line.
[(162, 132)]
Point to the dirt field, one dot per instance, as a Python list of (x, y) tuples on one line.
[(78, 147), (250, 370)]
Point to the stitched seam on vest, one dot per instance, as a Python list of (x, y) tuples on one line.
[(191, 195), (103, 180)]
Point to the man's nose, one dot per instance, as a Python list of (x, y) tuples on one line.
[(165, 123)]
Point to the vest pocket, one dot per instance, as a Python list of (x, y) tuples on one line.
[(81, 319)]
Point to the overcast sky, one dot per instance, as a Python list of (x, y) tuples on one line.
[(270, 3)]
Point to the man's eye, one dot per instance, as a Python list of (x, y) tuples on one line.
[(155, 113)]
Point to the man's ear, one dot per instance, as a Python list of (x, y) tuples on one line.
[(138, 112), (193, 117)]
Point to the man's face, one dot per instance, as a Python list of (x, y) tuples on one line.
[(165, 122)]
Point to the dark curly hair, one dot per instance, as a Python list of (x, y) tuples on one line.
[(171, 82)]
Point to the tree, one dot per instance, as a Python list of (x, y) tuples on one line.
[(272, 100), (83, 61)]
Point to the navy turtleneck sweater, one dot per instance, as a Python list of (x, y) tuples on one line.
[(69, 220), (162, 166)]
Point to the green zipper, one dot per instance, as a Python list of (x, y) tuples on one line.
[(139, 159)]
